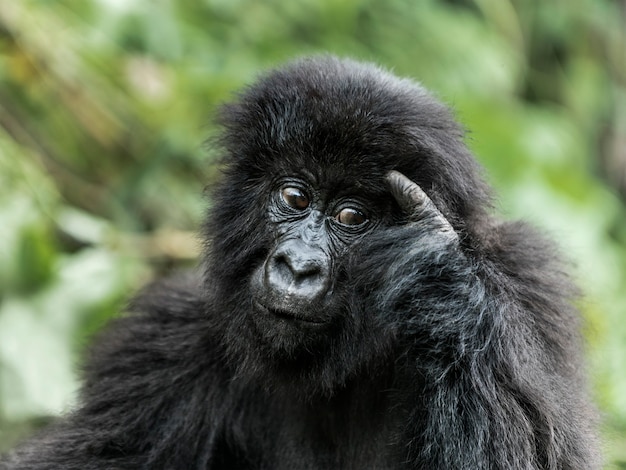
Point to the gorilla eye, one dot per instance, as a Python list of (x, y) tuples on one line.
[(295, 198), (350, 216)]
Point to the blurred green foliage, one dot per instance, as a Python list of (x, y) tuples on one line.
[(105, 108)]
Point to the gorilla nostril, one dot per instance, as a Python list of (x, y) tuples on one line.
[(281, 264), (305, 269), (298, 267)]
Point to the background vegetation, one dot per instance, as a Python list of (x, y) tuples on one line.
[(105, 106)]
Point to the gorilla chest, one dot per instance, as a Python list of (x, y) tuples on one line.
[(334, 435)]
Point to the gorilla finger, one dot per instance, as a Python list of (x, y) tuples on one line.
[(407, 194), (414, 201)]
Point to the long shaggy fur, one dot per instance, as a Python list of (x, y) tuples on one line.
[(439, 355)]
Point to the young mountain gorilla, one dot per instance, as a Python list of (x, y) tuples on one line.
[(359, 308)]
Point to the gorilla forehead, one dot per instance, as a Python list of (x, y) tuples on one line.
[(324, 111)]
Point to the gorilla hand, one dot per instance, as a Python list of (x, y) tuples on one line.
[(421, 258)]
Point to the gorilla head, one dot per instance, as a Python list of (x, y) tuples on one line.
[(307, 151)]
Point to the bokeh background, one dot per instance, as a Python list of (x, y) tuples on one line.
[(105, 111)]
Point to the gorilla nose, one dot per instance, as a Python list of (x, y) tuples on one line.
[(297, 271)]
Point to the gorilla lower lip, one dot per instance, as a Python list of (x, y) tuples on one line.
[(290, 316)]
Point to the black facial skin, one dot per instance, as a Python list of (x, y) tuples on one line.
[(310, 230), (358, 307)]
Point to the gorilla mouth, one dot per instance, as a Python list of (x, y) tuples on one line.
[(290, 316)]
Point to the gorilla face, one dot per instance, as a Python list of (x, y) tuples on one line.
[(304, 193), (297, 289)]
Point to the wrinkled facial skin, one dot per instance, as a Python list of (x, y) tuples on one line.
[(294, 288)]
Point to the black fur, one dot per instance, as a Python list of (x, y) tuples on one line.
[(437, 355)]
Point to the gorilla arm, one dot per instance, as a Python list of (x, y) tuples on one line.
[(489, 336), (152, 397)]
